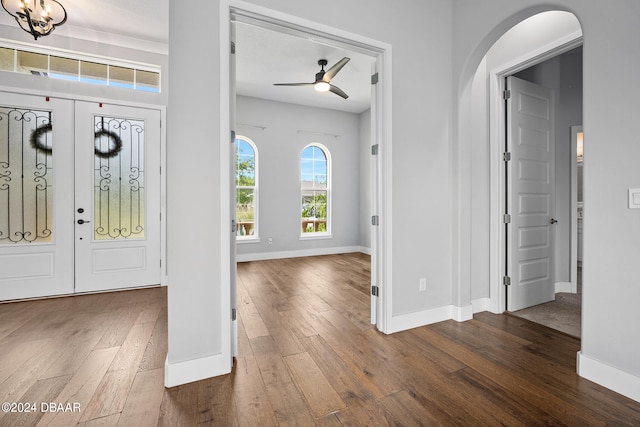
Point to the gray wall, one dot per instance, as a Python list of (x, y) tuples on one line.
[(280, 132)]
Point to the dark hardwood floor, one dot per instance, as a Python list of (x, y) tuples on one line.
[(307, 356)]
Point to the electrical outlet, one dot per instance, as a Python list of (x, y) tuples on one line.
[(423, 284), (270, 241)]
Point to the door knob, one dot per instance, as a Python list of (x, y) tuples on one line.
[(553, 221), (82, 221)]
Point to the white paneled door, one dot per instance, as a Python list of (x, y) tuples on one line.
[(79, 197), (531, 141)]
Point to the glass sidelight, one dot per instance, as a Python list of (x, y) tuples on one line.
[(119, 178), (26, 170)]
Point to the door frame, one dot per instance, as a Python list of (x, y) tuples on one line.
[(497, 167), (380, 127), (163, 150)]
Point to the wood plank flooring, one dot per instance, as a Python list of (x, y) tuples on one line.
[(307, 356)]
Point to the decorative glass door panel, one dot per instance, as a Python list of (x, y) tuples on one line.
[(26, 188), (36, 197), (117, 197)]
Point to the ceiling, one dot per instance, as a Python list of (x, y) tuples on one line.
[(263, 56)]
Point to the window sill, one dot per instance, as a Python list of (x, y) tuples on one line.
[(243, 240), (316, 236)]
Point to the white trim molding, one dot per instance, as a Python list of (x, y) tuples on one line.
[(179, 373), (430, 316), (481, 304), (563, 287), (612, 378), (261, 256)]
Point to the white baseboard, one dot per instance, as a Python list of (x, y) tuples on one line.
[(427, 317), (481, 304), (179, 373), (419, 318), (261, 256), (609, 377), (563, 287), (462, 314), (365, 250)]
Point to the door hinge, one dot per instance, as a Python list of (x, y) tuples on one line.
[(374, 79), (233, 226), (233, 48), (375, 149), (375, 220), (234, 314), (506, 94), (160, 263), (506, 156), (375, 291), (506, 280), (233, 136), (506, 218)]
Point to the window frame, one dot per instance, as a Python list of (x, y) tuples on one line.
[(317, 234), (256, 194)]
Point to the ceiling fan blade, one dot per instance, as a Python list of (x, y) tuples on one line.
[(294, 84), (331, 72), (338, 91)]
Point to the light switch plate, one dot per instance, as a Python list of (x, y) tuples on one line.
[(634, 198)]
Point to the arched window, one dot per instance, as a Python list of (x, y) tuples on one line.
[(315, 190), (246, 188)]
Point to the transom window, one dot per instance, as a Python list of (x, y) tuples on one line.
[(315, 178), (246, 188)]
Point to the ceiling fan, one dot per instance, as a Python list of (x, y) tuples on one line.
[(323, 78)]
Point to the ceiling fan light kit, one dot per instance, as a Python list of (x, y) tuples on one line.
[(36, 17), (322, 82)]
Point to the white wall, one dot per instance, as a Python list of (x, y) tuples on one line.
[(284, 130), (611, 56)]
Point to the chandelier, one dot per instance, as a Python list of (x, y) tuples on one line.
[(36, 17)]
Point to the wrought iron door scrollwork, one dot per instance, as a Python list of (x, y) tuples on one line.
[(26, 192), (119, 197)]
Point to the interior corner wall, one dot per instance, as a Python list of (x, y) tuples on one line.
[(196, 315), (280, 132), (479, 182), (611, 230)]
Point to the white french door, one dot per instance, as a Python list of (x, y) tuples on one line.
[(36, 196), (117, 197), (79, 197)]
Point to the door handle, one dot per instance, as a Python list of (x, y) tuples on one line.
[(553, 221), (82, 221)]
